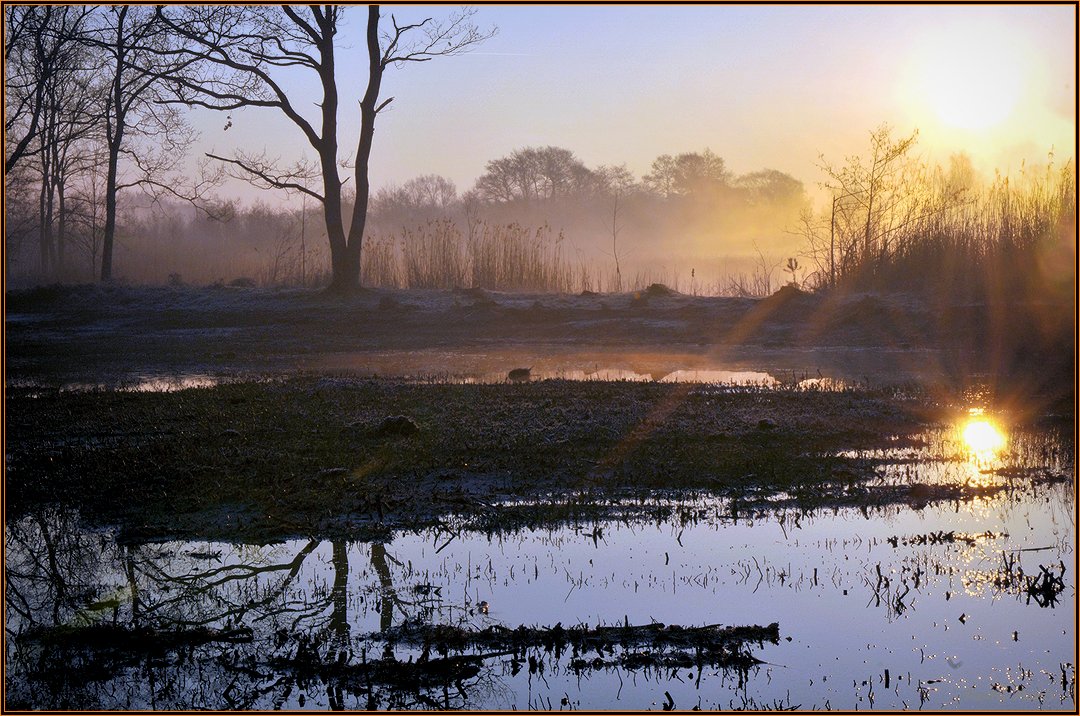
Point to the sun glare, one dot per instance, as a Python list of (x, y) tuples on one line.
[(970, 82), (984, 439)]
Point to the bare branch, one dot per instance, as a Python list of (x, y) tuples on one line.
[(456, 35), (260, 172)]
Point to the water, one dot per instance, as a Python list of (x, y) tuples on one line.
[(719, 377), (169, 383), (136, 383), (937, 607)]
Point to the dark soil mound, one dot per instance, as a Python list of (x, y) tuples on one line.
[(659, 290)]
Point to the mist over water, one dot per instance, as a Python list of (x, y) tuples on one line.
[(409, 359)]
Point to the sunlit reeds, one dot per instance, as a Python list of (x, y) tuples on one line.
[(499, 257), (1010, 238)]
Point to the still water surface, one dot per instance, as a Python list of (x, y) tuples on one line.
[(931, 607)]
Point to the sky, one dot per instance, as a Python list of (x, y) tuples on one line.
[(762, 86)]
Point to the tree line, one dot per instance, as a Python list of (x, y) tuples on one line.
[(97, 125), (534, 176)]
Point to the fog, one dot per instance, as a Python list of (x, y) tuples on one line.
[(313, 310), (690, 223), (186, 194)]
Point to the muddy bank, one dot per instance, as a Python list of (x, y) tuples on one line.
[(358, 457), (111, 333)]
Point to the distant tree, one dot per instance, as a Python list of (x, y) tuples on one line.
[(431, 190), (661, 180), (961, 176), (258, 45), (534, 173), (136, 52), (770, 186), (86, 209), (419, 196), (612, 180), (691, 174)]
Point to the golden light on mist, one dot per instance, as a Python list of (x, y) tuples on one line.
[(972, 81)]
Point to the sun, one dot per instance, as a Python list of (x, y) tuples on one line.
[(969, 82)]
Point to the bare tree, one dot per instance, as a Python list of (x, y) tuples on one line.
[(870, 194), (769, 186), (691, 174), (66, 146), (39, 43), (536, 173), (48, 95), (424, 197), (257, 44), (150, 136), (615, 180)]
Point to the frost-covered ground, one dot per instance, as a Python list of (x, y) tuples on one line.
[(120, 334)]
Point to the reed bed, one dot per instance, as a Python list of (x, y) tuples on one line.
[(1013, 238), (499, 257)]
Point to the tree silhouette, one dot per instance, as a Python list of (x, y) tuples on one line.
[(255, 46)]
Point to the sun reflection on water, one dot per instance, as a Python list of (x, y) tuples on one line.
[(983, 438), (984, 441)]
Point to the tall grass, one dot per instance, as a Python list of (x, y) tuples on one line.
[(1013, 240), (511, 257), (500, 257), (433, 256), (1010, 239)]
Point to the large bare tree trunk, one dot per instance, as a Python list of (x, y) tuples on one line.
[(346, 259), (114, 136), (344, 262), (110, 216), (310, 32)]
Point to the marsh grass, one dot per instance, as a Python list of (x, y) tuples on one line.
[(950, 236), (299, 456), (499, 257)]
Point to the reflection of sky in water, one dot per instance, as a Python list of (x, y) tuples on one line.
[(725, 377), (976, 450), (853, 603), (134, 384)]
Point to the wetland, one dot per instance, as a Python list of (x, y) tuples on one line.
[(648, 528)]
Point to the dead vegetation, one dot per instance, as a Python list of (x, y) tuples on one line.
[(600, 647), (308, 456)]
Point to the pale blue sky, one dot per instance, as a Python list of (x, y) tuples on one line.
[(762, 86)]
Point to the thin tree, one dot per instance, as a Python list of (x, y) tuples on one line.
[(146, 135), (67, 140), (874, 190), (255, 44), (39, 42)]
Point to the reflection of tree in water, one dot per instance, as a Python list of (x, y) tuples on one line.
[(94, 624), (50, 567), (99, 625)]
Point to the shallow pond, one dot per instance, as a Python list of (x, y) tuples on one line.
[(821, 367), (952, 605)]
